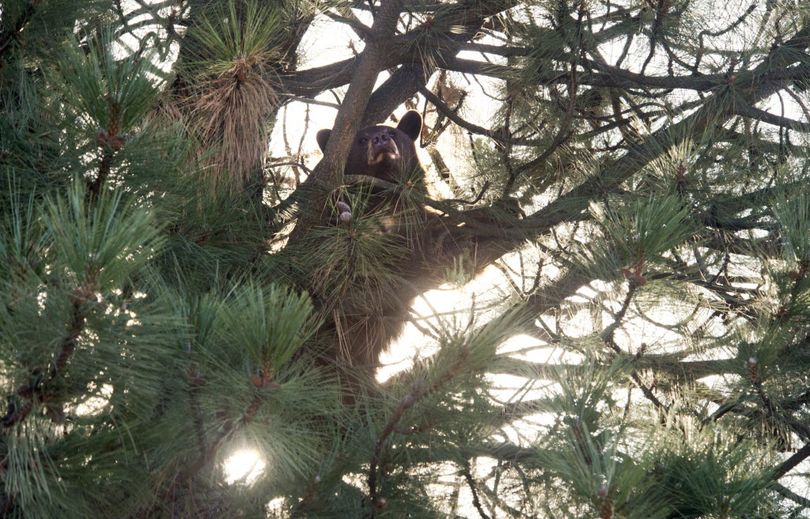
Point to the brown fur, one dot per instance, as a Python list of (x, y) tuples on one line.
[(384, 152), (364, 323)]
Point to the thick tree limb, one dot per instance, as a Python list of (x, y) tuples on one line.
[(398, 88), (767, 117), (328, 173), (791, 462)]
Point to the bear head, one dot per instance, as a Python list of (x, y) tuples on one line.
[(384, 152)]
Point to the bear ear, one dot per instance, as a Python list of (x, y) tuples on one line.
[(411, 124), (323, 137)]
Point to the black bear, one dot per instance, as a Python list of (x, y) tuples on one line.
[(368, 306), (384, 152)]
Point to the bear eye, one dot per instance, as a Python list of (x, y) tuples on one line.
[(392, 133), (363, 140)]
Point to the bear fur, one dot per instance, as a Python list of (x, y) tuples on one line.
[(365, 315), (384, 152)]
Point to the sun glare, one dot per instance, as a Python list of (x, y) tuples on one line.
[(95, 404), (243, 466)]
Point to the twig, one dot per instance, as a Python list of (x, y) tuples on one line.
[(294, 164), (228, 428), (607, 337), (363, 31), (789, 494), (500, 137), (195, 383), (308, 100), (36, 387), (417, 392), (406, 403), (607, 334), (94, 188), (471, 483)]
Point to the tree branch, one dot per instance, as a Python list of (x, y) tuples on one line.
[(21, 402), (471, 484), (791, 462), (370, 62), (497, 135), (767, 117)]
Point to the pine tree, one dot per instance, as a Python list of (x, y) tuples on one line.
[(629, 236)]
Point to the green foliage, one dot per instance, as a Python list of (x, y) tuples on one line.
[(713, 476), (593, 469), (648, 228), (635, 233), (113, 94), (101, 246), (269, 331), (77, 341), (231, 66), (792, 212), (232, 31), (355, 265)]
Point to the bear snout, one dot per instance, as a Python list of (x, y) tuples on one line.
[(381, 148)]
